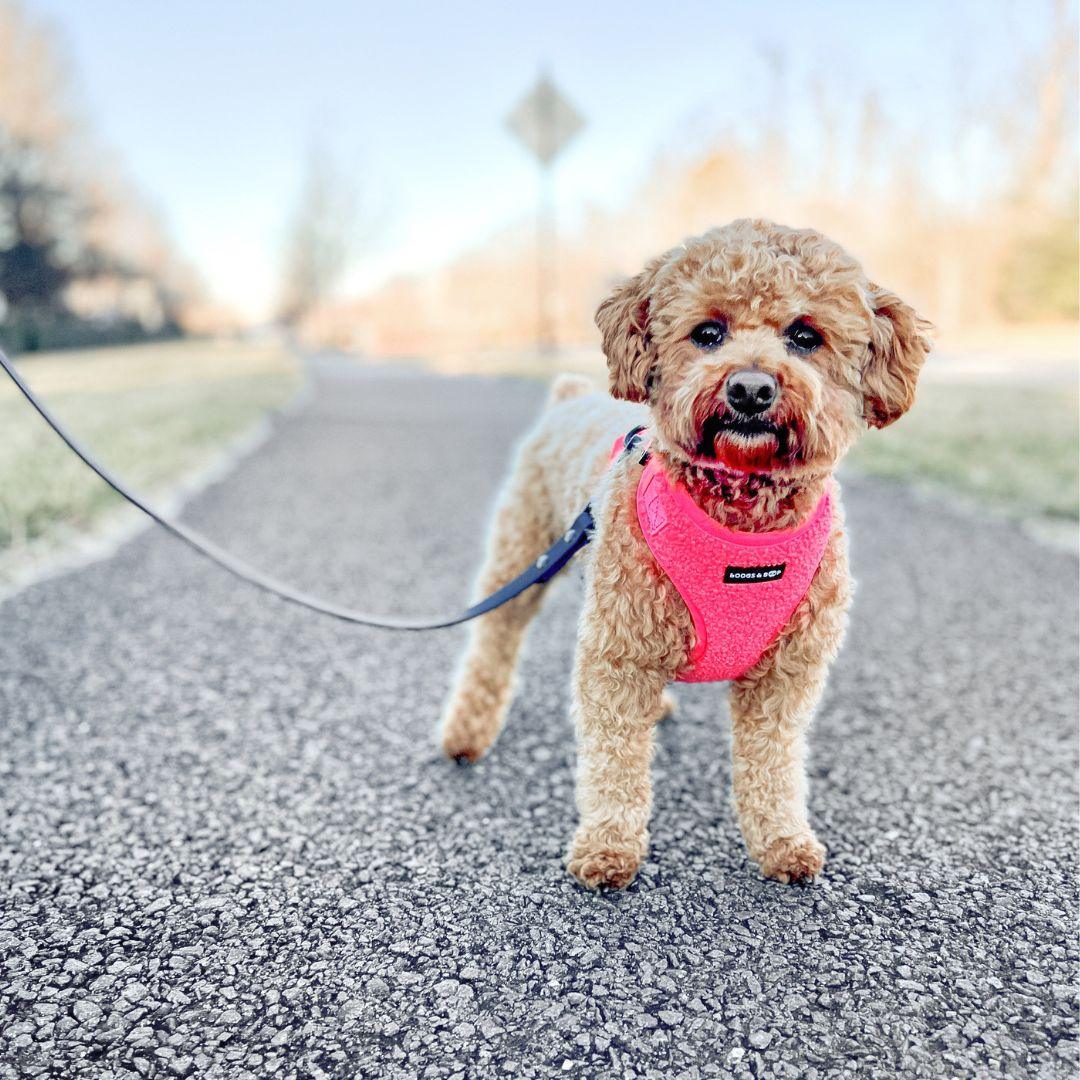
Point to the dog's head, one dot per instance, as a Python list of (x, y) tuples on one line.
[(760, 347)]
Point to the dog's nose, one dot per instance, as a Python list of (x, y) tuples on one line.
[(751, 392)]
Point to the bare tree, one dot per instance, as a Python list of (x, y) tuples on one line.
[(1048, 158), (321, 238), (34, 98)]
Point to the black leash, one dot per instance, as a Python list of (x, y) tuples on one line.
[(546, 566)]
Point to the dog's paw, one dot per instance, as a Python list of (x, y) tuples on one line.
[(467, 730), (605, 869), (794, 859), (604, 865), (462, 748)]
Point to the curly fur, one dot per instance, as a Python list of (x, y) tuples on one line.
[(635, 632)]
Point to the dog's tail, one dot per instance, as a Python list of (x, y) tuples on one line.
[(565, 387)]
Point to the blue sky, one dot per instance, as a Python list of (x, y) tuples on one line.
[(210, 106)]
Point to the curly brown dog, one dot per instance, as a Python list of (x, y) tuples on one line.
[(760, 353)]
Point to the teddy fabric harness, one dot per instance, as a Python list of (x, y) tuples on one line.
[(740, 588)]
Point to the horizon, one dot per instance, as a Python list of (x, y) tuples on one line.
[(630, 78)]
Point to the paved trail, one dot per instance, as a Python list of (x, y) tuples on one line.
[(228, 848)]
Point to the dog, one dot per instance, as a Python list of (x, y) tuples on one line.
[(755, 355)]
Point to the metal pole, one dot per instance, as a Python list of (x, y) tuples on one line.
[(545, 122), (545, 336), (545, 263)]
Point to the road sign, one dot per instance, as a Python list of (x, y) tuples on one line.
[(544, 120)]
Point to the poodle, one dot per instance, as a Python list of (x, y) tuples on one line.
[(754, 356)]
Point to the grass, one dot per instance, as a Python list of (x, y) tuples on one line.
[(975, 431), (1008, 447), (155, 414), (161, 414)]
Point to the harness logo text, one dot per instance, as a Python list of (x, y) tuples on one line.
[(748, 575)]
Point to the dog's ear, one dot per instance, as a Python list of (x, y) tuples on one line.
[(623, 319), (899, 343)]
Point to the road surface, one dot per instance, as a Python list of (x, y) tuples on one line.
[(229, 849)]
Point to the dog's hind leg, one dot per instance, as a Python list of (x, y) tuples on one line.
[(524, 525)]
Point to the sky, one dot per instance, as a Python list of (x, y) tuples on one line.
[(211, 107)]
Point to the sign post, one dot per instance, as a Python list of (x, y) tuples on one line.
[(544, 122)]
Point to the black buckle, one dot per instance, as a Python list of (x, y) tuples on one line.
[(631, 442)]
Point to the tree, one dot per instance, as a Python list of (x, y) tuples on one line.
[(37, 212), (321, 237), (69, 222), (38, 220)]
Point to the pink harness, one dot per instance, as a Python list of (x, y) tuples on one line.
[(741, 588)]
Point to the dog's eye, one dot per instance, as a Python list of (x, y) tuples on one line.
[(708, 335), (802, 336)]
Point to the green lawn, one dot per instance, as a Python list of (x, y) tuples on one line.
[(979, 435), (1007, 447), (155, 414), (159, 414)]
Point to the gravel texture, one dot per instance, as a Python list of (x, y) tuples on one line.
[(229, 849)]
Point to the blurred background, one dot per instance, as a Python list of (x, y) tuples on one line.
[(192, 202)]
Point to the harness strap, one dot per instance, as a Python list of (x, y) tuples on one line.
[(632, 440), (541, 571)]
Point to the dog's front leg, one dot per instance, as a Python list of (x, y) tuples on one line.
[(629, 649), (771, 709), (769, 718), (615, 714)]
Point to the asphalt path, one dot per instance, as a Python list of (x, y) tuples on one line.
[(228, 847)]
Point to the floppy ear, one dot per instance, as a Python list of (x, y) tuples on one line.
[(899, 342), (623, 319)]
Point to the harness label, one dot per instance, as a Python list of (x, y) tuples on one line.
[(749, 575), (656, 514)]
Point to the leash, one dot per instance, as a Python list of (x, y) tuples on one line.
[(538, 573)]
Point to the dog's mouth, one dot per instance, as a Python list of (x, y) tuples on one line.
[(724, 433)]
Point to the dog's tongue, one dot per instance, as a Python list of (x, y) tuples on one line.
[(764, 455)]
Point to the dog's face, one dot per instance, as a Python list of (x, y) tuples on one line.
[(760, 347)]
